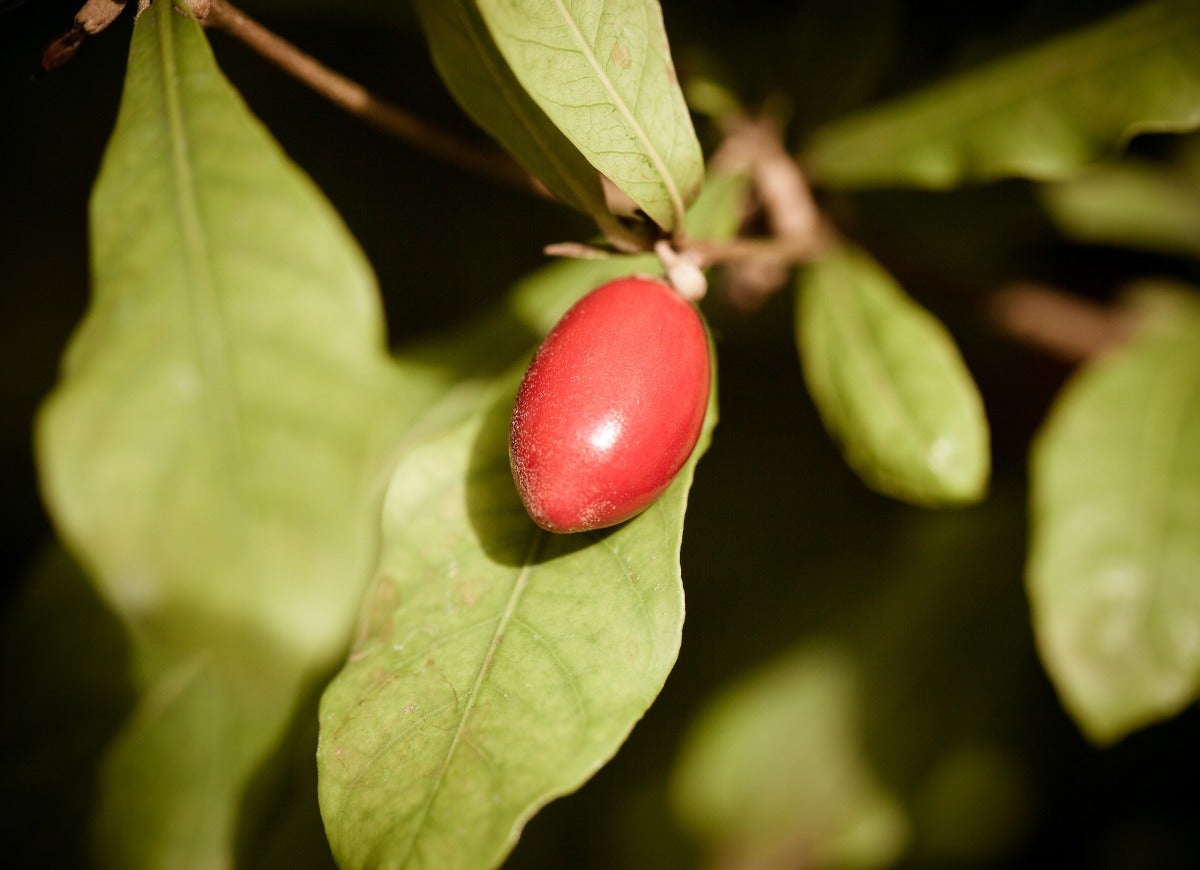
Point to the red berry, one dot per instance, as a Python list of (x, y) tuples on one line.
[(611, 406)]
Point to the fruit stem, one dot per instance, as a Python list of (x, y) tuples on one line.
[(683, 271)]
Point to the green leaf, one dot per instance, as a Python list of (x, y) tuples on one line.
[(497, 666), (773, 770), (1042, 113), (889, 383), (216, 451), (1114, 561), (1134, 204), (214, 444), (601, 70), (480, 80), (451, 385)]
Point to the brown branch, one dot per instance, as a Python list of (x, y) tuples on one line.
[(1066, 326), (781, 251), (93, 17), (759, 267), (778, 181), (360, 102)]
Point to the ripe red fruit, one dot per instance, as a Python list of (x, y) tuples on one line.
[(611, 406)]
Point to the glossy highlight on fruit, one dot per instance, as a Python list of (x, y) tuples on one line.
[(611, 406)]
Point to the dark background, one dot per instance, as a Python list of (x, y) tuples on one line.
[(783, 544)]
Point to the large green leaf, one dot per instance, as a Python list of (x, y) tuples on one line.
[(212, 445), (1135, 204), (216, 451), (452, 384), (1114, 561), (497, 665), (773, 770), (473, 69), (889, 383), (1042, 113), (601, 70)]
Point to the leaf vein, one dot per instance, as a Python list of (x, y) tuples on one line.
[(485, 666), (631, 120)]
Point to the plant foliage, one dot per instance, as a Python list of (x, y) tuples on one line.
[(278, 538)]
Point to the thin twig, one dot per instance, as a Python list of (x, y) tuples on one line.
[(1066, 326), (757, 268), (93, 17), (576, 251), (783, 251), (361, 103)]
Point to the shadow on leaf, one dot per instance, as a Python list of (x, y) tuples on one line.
[(498, 518)]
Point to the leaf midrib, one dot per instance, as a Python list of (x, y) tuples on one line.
[(485, 667), (568, 179), (210, 346), (845, 316), (631, 120)]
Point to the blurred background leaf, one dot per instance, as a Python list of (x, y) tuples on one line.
[(1134, 203), (216, 450), (1041, 114), (67, 690), (771, 776), (1114, 564), (889, 383)]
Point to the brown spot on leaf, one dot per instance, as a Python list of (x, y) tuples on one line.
[(465, 593), (620, 55)]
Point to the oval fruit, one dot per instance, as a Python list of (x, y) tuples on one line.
[(611, 406)]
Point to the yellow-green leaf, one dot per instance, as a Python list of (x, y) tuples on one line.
[(1042, 113), (475, 72), (889, 383), (1133, 204), (1114, 561), (497, 666), (592, 620), (216, 449), (773, 770), (601, 70)]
